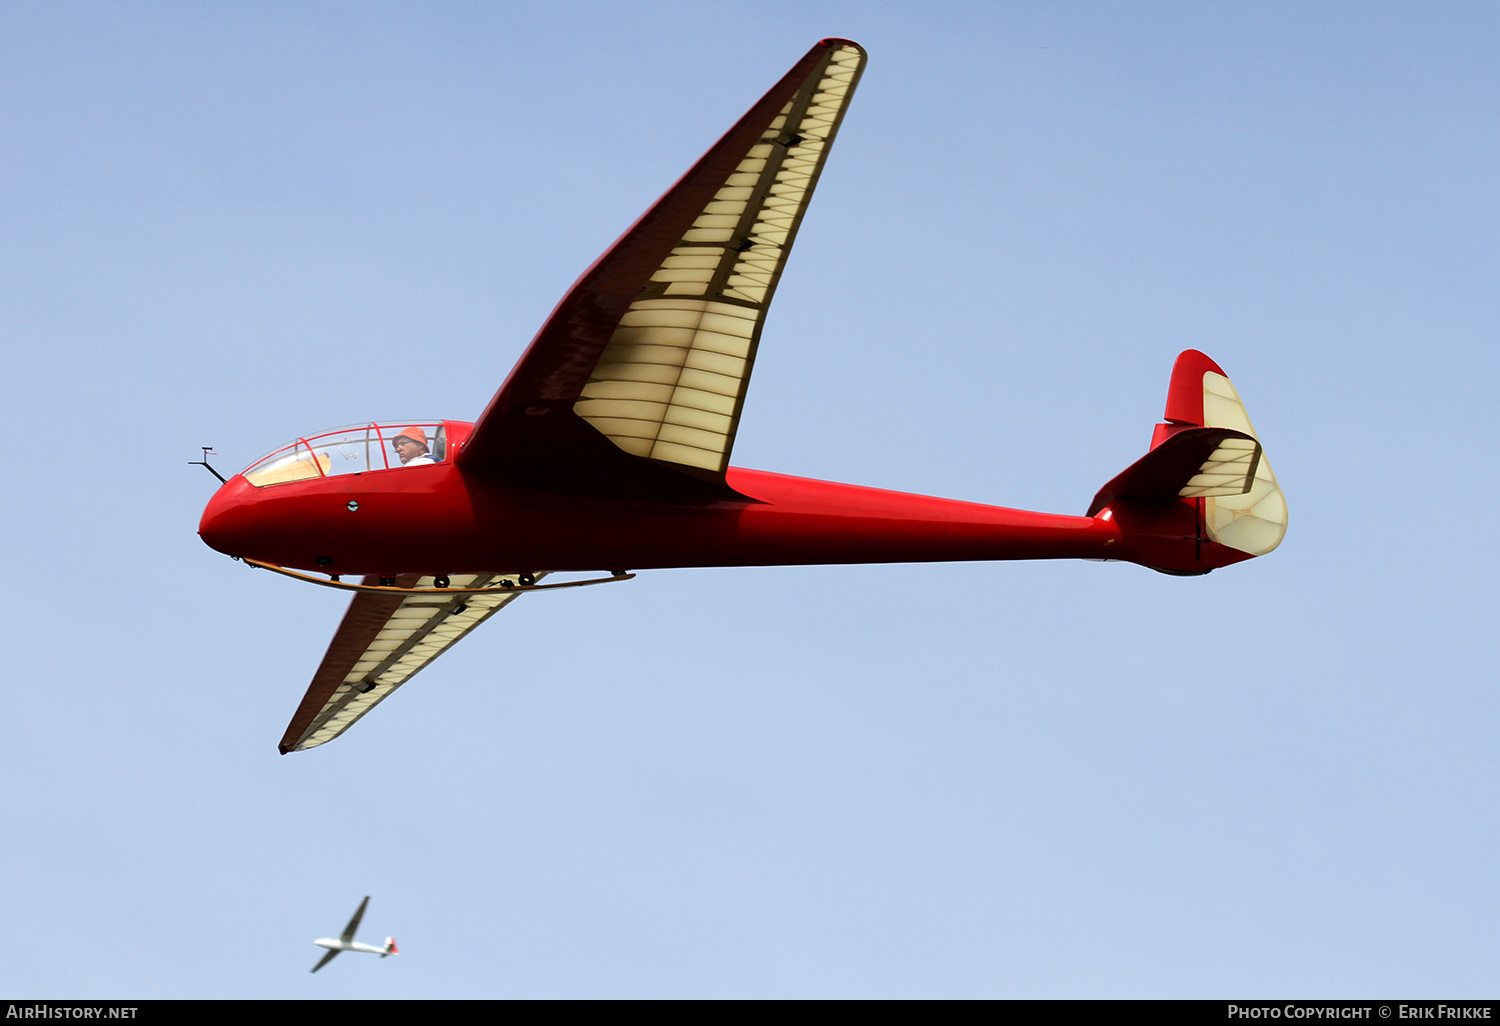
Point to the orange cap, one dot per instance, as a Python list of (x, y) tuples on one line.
[(416, 434)]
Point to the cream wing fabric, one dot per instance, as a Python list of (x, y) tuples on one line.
[(670, 383), (420, 629)]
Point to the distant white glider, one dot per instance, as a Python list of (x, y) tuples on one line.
[(346, 940)]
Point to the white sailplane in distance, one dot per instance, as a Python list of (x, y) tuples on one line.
[(346, 942)]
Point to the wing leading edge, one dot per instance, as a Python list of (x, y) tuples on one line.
[(384, 641), (650, 352)]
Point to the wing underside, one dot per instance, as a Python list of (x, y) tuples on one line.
[(642, 368), (670, 384), (384, 641)]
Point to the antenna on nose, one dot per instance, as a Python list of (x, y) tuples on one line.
[(207, 452)]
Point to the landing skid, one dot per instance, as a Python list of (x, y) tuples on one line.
[(507, 584)]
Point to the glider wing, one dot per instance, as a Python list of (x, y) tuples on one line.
[(646, 359), (383, 641), (349, 931)]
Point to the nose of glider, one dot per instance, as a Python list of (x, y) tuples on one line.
[(224, 518)]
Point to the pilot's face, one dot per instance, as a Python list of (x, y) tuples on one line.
[(408, 450)]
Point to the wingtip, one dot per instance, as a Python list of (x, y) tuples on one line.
[(834, 41)]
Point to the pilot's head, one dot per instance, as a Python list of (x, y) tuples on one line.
[(410, 443)]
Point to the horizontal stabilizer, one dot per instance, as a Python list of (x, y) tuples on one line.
[(1192, 463)]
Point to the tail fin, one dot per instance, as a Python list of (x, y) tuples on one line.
[(390, 947), (1204, 496)]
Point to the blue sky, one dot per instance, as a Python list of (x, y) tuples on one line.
[(231, 223)]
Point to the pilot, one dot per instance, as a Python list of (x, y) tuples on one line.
[(411, 446)]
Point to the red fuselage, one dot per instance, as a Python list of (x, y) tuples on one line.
[(438, 519)]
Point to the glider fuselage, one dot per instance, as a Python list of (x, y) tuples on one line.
[(440, 519), (335, 944), (444, 519)]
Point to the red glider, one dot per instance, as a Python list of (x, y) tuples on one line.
[(607, 448)]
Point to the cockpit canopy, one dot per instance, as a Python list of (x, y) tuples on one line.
[(388, 445)]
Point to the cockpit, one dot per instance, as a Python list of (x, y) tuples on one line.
[(389, 445)]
